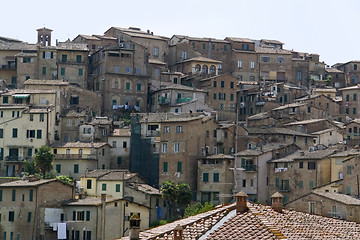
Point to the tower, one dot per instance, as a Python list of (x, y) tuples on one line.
[(44, 36)]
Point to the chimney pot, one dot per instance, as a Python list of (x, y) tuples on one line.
[(178, 232), (241, 202), (276, 201)]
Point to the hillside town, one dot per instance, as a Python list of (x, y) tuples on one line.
[(269, 136)]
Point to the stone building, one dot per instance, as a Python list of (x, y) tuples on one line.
[(24, 205), (215, 179), (75, 158), (297, 174), (328, 204)]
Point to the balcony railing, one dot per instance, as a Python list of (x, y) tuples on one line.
[(163, 101), (75, 156), (249, 168), (183, 100), (17, 159)]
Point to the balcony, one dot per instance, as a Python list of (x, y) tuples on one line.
[(249, 168), (164, 101), (17, 159), (183, 100), (75, 156)]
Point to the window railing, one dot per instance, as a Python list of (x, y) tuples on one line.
[(249, 168)]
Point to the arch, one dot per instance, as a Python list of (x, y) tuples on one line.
[(197, 68), (205, 69), (212, 69)]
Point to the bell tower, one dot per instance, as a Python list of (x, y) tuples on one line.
[(44, 36)]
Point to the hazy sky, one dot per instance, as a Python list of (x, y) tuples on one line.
[(325, 27)]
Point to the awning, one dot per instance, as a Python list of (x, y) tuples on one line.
[(21, 95)]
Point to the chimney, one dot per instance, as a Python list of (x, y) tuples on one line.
[(178, 232), (302, 153), (103, 198), (134, 227), (276, 202), (241, 202)]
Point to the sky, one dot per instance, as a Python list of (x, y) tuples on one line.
[(324, 27)]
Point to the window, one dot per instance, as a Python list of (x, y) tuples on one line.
[(252, 78), (252, 64), (231, 97), (78, 215), (222, 83), (280, 59), (29, 217), (1, 193), (354, 110), (299, 75), (265, 59), (355, 67), (1, 133), (78, 58), (214, 84), (214, 95), (76, 168), (347, 97), (117, 188), (155, 51), (179, 129), (80, 72), (127, 86), (311, 184), (216, 177), (244, 183), (312, 207), (225, 48), (124, 144), (215, 133), (300, 184), (5, 99), (348, 170), (62, 71), (311, 165), (239, 64), (44, 70), (164, 147), (184, 55), (14, 132), (166, 129), (58, 168), (205, 177), (176, 147), (179, 167), (11, 216), (245, 47), (13, 195), (301, 164), (165, 167), (38, 134), (63, 58), (41, 117), (88, 183), (103, 187), (354, 97), (231, 84), (138, 87), (87, 215), (204, 46), (348, 190)]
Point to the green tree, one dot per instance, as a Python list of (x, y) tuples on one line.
[(198, 208), (30, 168), (176, 196), (44, 160)]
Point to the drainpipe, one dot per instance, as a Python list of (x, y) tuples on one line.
[(103, 204)]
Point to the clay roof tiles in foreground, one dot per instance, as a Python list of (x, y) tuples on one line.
[(258, 222)]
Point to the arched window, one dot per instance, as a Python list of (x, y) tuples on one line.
[(197, 68), (212, 69), (205, 69)]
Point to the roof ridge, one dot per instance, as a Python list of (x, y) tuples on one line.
[(269, 225)]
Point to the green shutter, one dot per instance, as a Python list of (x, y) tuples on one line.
[(76, 168), (216, 177), (80, 71), (1, 192), (205, 177), (29, 217), (179, 167), (87, 215), (165, 166), (300, 184), (103, 187), (31, 195), (74, 215), (117, 186)]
